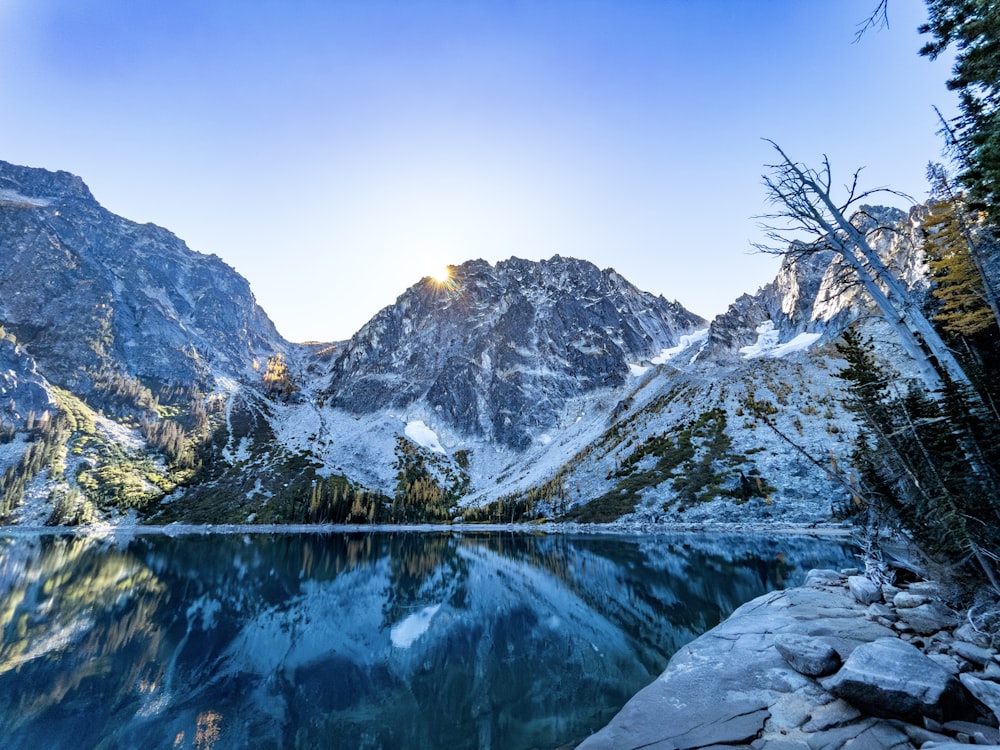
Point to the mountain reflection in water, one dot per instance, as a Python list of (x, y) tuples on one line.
[(363, 640)]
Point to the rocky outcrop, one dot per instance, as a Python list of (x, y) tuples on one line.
[(893, 678), (86, 291), (745, 683), (812, 292), (22, 389), (496, 351)]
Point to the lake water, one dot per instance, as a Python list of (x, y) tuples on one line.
[(367, 640)]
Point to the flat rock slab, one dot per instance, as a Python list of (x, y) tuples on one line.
[(719, 689)]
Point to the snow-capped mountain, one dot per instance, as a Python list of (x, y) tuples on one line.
[(497, 351), (139, 375)]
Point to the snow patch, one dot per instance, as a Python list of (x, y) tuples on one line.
[(686, 342), (799, 343), (638, 370), (12, 196), (423, 436), (767, 340), (409, 629), (767, 343)]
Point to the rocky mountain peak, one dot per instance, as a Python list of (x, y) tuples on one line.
[(88, 292), (498, 350), (40, 186), (812, 292)]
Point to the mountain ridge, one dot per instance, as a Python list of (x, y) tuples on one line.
[(550, 389)]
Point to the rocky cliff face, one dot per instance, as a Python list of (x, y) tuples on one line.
[(497, 350), (812, 293), (90, 293)]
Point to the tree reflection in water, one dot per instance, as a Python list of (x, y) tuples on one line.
[(357, 640)]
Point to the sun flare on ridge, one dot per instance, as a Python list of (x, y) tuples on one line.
[(442, 276)]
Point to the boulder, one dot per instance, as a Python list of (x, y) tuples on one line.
[(908, 600), (972, 653), (864, 589), (809, 656), (894, 679), (823, 577), (927, 619), (984, 691), (965, 632)]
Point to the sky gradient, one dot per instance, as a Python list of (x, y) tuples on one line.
[(336, 151)]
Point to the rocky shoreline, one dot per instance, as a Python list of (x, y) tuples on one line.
[(835, 663)]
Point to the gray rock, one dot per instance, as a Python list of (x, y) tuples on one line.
[(891, 678), (928, 588), (984, 691), (988, 735), (864, 589), (734, 724), (850, 571), (950, 663), (865, 735), (877, 609), (808, 656), (908, 600), (823, 577), (973, 653), (920, 736), (965, 632), (926, 619), (836, 713), (780, 744), (889, 591)]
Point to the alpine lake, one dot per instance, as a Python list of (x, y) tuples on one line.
[(494, 639)]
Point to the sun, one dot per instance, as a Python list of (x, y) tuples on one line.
[(443, 276)]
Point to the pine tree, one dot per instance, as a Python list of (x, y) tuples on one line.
[(972, 28)]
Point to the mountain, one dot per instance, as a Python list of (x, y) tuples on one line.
[(141, 380), (91, 294), (497, 351)]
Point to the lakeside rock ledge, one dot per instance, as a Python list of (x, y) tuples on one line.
[(829, 664)]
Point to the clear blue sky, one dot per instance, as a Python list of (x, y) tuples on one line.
[(336, 151)]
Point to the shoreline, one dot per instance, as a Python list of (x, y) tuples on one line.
[(823, 530), (751, 681)]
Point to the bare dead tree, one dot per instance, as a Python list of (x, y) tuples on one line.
[(879, 19), (804, 202)]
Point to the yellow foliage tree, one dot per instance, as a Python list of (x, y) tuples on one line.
[(959, 286), (277, 377)]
